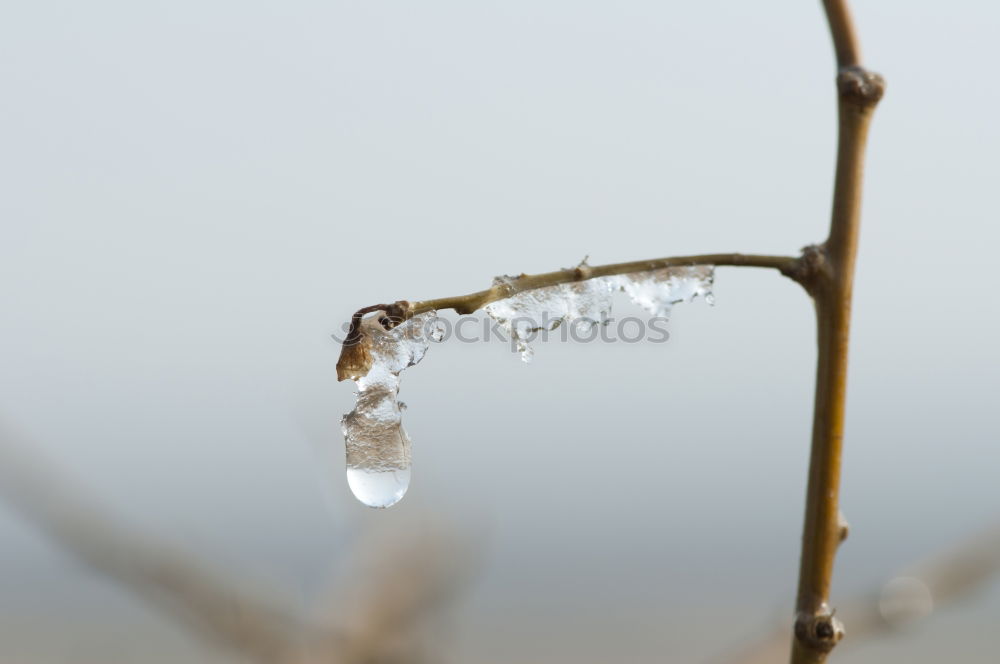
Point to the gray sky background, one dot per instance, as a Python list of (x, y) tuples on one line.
[(196, 194)]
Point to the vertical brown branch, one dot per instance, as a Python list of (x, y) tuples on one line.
[(817, 630), (845, 38)]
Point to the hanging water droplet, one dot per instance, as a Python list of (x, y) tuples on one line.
[(378, 449), (378, 488)]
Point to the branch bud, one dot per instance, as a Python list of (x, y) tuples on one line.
[(859, 86)]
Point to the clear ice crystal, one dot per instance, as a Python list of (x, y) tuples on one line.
[(588, 302), (584, 303), (657, 291), (378, 449)]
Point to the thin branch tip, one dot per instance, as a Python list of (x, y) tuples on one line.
[(355, 357)]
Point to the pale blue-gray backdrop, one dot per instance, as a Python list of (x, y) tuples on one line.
[(195, 194)]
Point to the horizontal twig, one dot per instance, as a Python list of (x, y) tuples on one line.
[(355, 359), (466, 304)]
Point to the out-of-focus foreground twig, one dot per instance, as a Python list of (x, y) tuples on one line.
[(910, 595), (380, 626)]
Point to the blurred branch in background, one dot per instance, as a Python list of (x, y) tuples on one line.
[(380, 608), (403, 582), (397, 585), (912, 594)]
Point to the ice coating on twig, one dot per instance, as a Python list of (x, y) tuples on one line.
[(584, 303), (658, 291), (378, 449), (589, 302)]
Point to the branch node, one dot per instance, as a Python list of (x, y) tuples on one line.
[(395, 313), (844, 528), (809, 269), (818, 631), (860, 86)]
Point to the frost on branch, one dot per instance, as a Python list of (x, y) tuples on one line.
[(589, 302), (658, 291), (378, 449), (581, 302)]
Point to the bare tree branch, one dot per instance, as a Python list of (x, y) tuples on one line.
[(845, 37), (466, 304), (354, 359), (817, 630), (911, 594), (407, 576), (264, 628)]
